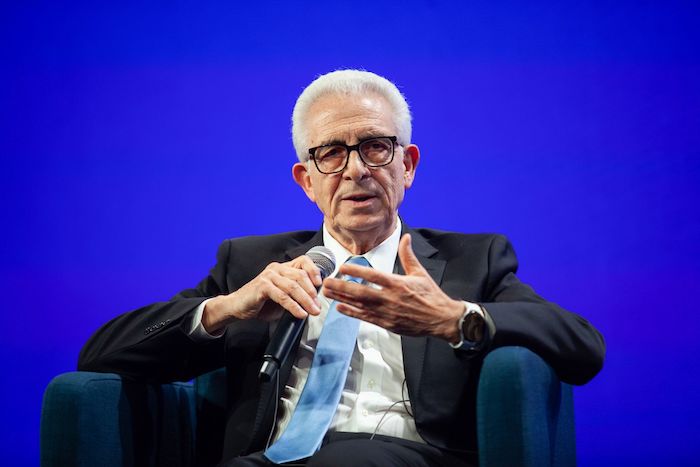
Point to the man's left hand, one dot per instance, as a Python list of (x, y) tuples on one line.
[(410, 305)]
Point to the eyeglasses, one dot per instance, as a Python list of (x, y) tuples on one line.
[(374, 152)]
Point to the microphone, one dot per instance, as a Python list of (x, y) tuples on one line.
[(289, 327)]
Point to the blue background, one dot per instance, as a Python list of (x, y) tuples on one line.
[(134, 138)]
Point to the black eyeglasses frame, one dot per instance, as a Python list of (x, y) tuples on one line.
[(349, 149)]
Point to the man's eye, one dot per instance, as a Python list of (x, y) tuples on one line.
[(376, 145), (334, 151)]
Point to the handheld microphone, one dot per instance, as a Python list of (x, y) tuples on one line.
[(289, 327)]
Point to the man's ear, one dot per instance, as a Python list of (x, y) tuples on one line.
[(301, 175), (411, 157)]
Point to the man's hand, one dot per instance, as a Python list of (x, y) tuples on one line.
[(287, 286), (411, 305)]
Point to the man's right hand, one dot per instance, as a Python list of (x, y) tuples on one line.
[(287, 286)]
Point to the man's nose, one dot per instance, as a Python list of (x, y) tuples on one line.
[(356, 168)]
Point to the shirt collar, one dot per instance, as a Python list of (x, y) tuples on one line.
[(382, 257)]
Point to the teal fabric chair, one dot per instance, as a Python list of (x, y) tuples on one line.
[(524, 418)]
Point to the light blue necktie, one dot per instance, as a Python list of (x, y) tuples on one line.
[(321, 394)]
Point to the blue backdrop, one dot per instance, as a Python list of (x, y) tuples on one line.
[(135, 138)]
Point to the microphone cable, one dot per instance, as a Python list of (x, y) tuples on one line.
[(388, 409)]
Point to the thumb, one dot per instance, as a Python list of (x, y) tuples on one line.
[(408, 259)]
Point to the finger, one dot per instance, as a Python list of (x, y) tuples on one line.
[(369, 274), (311, 269), (408, 259), (286, 302), (359, 313), (293, 271), (302, 278), (301, 266), (351, 310), (297, 293), (349, 292)]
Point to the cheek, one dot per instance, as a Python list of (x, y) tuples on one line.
[(397, 186), (324, 191)]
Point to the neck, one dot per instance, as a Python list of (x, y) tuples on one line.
[(360, 242)]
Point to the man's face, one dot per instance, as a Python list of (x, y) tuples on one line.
[(360, 202)]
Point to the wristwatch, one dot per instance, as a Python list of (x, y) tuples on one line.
[(471, 327)]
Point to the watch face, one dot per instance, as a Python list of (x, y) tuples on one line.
[(473, 328)]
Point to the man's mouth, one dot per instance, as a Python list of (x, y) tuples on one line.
[(359, 198)]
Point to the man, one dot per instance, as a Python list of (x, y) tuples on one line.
[(436, 303)]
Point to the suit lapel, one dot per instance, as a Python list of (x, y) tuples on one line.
[(424, 252), (414, 348), (299, 250)]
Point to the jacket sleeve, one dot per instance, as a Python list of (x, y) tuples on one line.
[(568, 342), (151, 344)]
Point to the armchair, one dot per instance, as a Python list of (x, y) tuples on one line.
[(524, 417)]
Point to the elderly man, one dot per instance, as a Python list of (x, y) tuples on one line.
[(385, 371)]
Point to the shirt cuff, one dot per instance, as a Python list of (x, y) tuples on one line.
[(196, 329)]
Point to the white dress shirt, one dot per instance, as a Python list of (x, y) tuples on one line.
[(375, 378)]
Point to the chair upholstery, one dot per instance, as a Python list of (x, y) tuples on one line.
[(524, 418)]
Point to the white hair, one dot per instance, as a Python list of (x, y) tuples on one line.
[(348, 82)]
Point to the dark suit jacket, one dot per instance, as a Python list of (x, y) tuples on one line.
[(150, 344)]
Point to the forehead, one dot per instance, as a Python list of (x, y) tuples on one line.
[(348, 118)]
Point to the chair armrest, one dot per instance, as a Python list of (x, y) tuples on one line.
[(90, 419), (525, 415)]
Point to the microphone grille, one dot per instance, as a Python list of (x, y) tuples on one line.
[(323, 258)]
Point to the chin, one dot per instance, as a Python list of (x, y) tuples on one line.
[(365, 223)]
